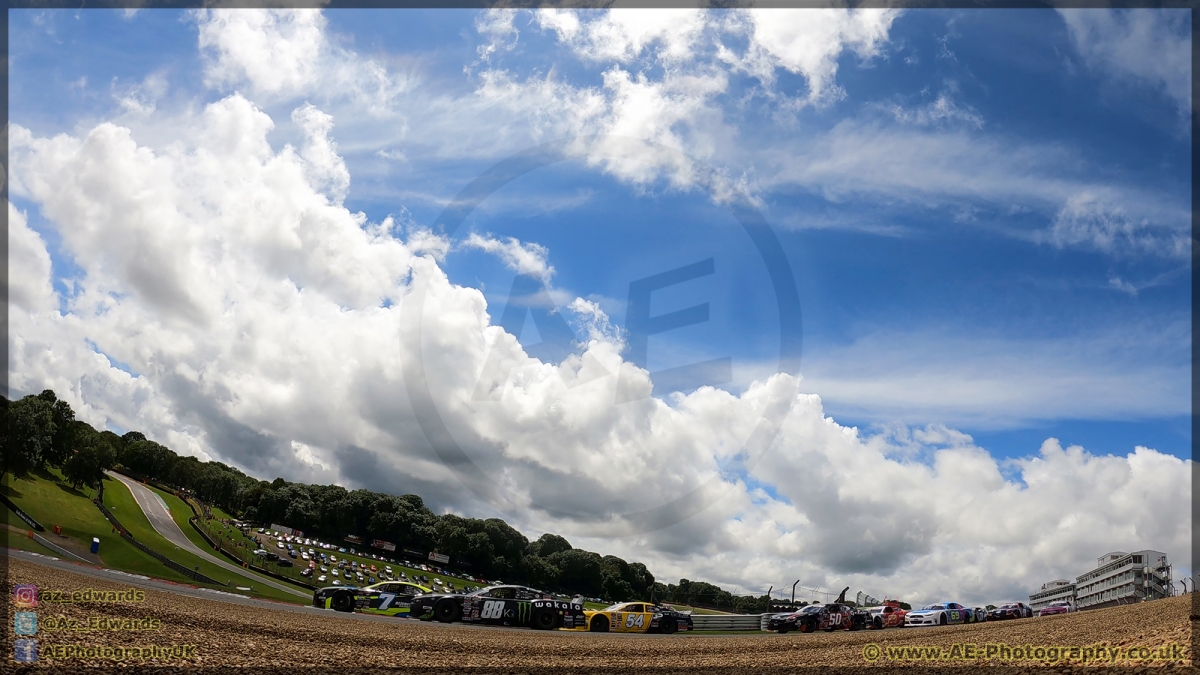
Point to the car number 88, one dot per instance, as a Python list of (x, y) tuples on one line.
[(492, 609)]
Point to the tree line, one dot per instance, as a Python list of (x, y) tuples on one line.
[(41, 431)]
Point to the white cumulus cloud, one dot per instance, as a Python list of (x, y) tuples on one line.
[(229, 304)]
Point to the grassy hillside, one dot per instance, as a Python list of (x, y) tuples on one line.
[(181, 513), (52, 501), (120, 501)]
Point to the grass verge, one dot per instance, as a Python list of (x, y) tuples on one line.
[(120, 501), (50, 500)]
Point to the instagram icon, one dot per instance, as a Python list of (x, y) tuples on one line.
[(25, 595)]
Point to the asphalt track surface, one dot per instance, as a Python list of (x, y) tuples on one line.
[(162, 522)]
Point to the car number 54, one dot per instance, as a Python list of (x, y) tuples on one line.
[(633, 620)]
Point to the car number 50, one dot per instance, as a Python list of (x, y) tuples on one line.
[(632, 620), (492, 609)]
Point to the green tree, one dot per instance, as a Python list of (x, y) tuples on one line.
[(539, 572), (92, 456), (61, 438), (579, 571), (549, 544), (29, 435)]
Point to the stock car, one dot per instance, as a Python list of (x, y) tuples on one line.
[(889, 615), (634, 617), (1060, 607), (1010, 610), (826, 617), (500, 605), (940, 614), (390, 598)]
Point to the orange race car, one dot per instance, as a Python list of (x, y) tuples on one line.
[(888, 615)]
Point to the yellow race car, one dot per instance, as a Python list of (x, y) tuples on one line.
[(634, 617)]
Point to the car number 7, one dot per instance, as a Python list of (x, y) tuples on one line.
[(387, 599)]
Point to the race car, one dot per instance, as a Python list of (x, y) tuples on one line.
[(827, 617), (1010, 610), (391, 598), (634, 617), (811, 618), (1060, 607), (939, 614), (501, 605), (889, 615)]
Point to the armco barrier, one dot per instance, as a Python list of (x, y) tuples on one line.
[(727, 622), (22, 515), (189, 573)]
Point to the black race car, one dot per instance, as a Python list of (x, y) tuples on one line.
[(828, 617), (391, 598), (500, 606), (1010, 610)]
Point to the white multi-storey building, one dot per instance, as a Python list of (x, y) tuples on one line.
[(1052, 591), (1119, 578), (1122, 577)]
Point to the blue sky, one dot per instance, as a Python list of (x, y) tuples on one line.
[(866, 264), (220, 218)]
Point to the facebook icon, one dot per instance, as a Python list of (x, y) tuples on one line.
[(25, 651)]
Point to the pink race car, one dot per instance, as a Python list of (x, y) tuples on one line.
[(1060, 607)]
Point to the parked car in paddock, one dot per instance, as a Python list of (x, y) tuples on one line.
[(1010, 610), (888, 615), (501, 605), (392, 598), (634, 617), (939, 614), (1060, 607)]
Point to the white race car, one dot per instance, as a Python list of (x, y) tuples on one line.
[(939, 614)]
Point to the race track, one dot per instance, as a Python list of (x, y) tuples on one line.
[(239, 631), (160, 519)]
